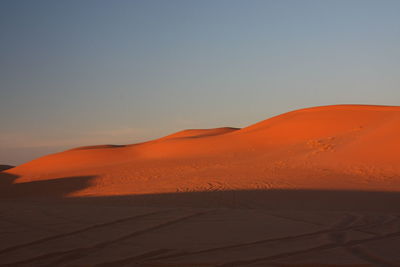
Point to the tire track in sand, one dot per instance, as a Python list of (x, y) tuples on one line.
[(62, 257)]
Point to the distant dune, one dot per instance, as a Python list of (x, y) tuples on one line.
[(5, 167), (340, 147)]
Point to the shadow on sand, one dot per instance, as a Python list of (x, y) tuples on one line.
[(304, 200), (327, 200), (55, 188)]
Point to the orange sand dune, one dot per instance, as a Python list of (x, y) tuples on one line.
[(346, 147), (195, 133), (312, 187)]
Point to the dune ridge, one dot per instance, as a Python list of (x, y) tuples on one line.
[(347, 147)]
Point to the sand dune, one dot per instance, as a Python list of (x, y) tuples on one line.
[(196, 133), (5, 167), (353, 147), (312, 187)]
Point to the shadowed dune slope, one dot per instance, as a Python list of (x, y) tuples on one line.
[(341, 147), (5, 167)]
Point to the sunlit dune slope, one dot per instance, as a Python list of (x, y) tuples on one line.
[(355, 147)]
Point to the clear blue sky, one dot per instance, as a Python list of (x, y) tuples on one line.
[(91, 72)]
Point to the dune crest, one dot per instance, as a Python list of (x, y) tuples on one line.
[(346, 147), (197, 133)]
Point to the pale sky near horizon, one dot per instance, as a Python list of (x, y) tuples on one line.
[(87, 72)]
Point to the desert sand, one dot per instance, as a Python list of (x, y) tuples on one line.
[(312, 187)]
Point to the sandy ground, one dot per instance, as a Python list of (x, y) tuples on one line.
[(318, 186), (127, 232)]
